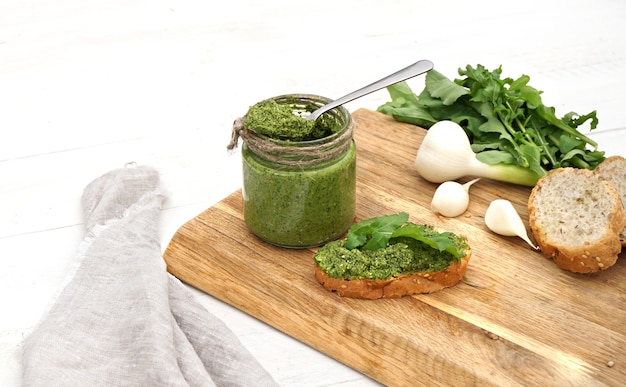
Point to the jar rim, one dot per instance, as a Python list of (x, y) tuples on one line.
[(312, 100)]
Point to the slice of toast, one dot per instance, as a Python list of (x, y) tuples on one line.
[(397, 286), (576, 219), (613, 170)]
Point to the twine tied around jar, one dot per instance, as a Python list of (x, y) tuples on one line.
[(297, 156)]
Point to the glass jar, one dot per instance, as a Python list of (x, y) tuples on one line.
[(301, 193)]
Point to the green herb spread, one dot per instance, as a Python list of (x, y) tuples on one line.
[(299, 207), (280, 122), (400, 255), (299, 188)]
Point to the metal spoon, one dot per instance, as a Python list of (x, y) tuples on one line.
[(411, 71)]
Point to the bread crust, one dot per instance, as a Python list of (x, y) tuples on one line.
[(613, 170), (396, 287), (595, 256)]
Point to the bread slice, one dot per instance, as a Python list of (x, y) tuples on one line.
[(398, 286), (613, 170), (576, 220)]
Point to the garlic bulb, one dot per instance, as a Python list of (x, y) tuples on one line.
[(502, 218), (451, 199), (446, 154)]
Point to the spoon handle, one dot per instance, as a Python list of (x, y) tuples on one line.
[(411, 71)]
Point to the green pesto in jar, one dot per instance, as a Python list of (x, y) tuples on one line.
[(298, 207), (278, 121), (291, 199), (402, 255)]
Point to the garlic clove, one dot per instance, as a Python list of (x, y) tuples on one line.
[(502, 218), (451, 199)]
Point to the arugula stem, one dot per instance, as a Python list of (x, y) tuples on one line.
[(519, 156), (552, 119), (521, 126), (542, 143), (577, 161)]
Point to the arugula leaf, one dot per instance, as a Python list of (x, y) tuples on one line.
[(374, 233), (403, 91), (441, 87), (404, 106), (443, 241), (495, 157), (500, 116)]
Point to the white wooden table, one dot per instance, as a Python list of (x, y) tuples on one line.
[(88, 86)]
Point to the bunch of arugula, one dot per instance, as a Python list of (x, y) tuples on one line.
[(375, 233), (505, 119)]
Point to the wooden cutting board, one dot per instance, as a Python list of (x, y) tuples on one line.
[(515, 319)]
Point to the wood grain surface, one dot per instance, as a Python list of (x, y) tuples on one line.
[(515, 319)]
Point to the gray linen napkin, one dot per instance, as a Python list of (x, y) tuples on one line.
[(122, 320)]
